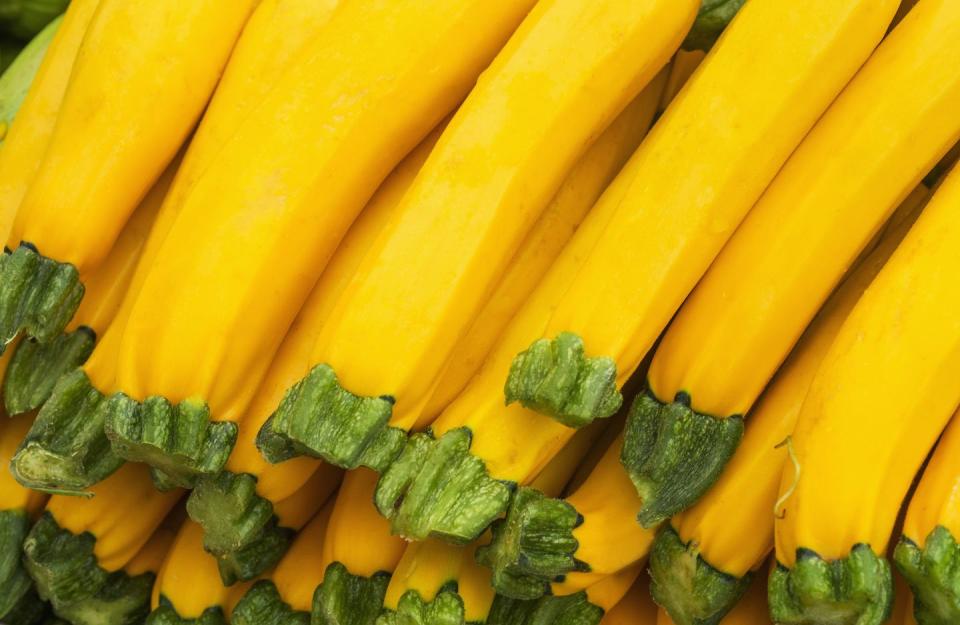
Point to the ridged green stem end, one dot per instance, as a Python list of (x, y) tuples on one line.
[(933, 573), (347, 599), (25, 18), (179, 442), (263, 605), (66, 450), (36, 367), (573, 609), (437, 488), (38, 296), (445, 609), (67, 575), (555, 378), (321, 419), (166, 614), (19, 602), (532, 546), (713, 18), (239, 527), (856, 590), (673, 454), (683, 583)]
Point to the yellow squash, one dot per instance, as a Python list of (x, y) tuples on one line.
[(635, 608), (685, 62)]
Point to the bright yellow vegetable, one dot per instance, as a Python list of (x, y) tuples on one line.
[(13, 496), (685, 62), (636, 607)]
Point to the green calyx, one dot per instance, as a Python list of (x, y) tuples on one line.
[(36, 367), (179, 442), (19, 602), (437, 488), (555, 378), (934, 576), (683, 583), (347, 599), (445, 609), (532, 546), (25, 18), (263, 605), (856, 590), (239, 526), (67, 575), (38, 296), (321, 419), (573, 609), (712, 19), (166, 614), (66, 450), (674, 454)]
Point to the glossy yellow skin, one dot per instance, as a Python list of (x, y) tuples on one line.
[(732, 524), (609, 591), (685, 62), (568, 71), (189, 578), (298, 574), (241, 258), (937, 498), (888, 128), (12, 495), (291, 363), (123, 512), (661, 225), (152, 555), (546, 239), (119, 125), (882, 395), (558, 473), (294, 511), (26, 141), (635, 608)]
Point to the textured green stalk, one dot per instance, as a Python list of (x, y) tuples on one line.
[(25, 18), (933, 573), (239, 526), (321, 419), (674, 454), (856, 590), (179, 442), (437, 488), (35, 368), (263, 605), (9, 50), (573, 609), (38, 296), (347, 599), (166, 614), (555, 378), (445, 609), (19, 602), (16, 80), (532, 546), (67, 575), (682, 582), (713, 18), (66, 450)]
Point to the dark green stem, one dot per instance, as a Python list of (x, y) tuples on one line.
[(347, 599), (38, 296), (532, 546), (445, 609), (683, 583), (166, 614), (263, 605), (856, 590), (66, 450), (933, 573), (321, 419), (674, 454), (713, 18), (25, 18), (35, 368), (68, 575), (19, 602), (555, 378), (437, 488), (17, 78), (573, 609)]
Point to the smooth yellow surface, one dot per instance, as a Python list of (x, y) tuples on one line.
[(882, 395), (635, 608), (569, 70), (294, 511), (28, 137), (888, 128), (732, 524), (559, 220), (741, 114), (561, 468), (685, 62), (609, 591), (152, 555), (298, 574), (937, 498), (122, 514), (259, 225), (12, 495), (189, 578), (143, 75), (292, 361)]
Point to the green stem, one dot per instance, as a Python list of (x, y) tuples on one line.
[(19, 602), (933, 573), (712, 20), (16, 80), (166, 614), (35, 368), (445, 609), (263, 605), (347, 599), (25, 18), (573, 609)]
